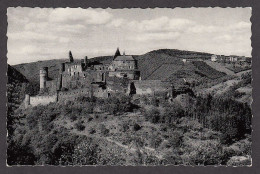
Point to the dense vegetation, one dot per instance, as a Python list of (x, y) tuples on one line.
[(16, 86), (93, 131)]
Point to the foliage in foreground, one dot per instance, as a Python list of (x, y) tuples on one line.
[(210, 132)]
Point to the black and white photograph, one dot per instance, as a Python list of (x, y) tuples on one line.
[(129, 87)]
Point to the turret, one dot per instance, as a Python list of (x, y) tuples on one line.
[(43, 77)]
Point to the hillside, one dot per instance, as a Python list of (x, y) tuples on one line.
[(15, 76), (118, 134), (163, 64), (219, 67), (31, 70), (15, 84), (15, 90)]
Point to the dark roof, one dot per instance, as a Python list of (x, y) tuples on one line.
[(124, 57)]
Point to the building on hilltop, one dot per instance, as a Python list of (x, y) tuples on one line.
[(82, 74), (124, 66), (77, 78)]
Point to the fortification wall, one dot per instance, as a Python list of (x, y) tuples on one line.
[(73, 94), (87, 92), (42, 100), (142, 87)]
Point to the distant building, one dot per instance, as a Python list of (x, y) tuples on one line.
[(233, 58), (214, 58)]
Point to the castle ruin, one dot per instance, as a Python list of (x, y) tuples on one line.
[(95, 79)]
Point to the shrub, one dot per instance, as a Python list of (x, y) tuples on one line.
[(152, 115), (176, 139), (136, 127), (151, 160), (73, 117), (239, 161), (155, 142), (103, 130), (172, 113), (125, 127), (79, 126), (92, 130)]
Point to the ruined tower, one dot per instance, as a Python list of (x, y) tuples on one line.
[(43, 77)]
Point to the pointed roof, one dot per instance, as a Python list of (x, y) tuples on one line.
[(124, 57), (117, 53)]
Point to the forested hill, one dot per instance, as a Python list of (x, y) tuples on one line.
[(15, 87), (152, 65), (16, 83), (15, 76)]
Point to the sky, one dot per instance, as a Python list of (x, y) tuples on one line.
[(50, 33)]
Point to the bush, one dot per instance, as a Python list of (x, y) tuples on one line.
[(172, 113), (155, 142), (115, 105), (79, 126), (239, 161), (125, 127), (73, 117), (176, 139), (136, 127), (103, 130), (152, 115), (92, 130)]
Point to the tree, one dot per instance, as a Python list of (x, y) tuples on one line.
[(71, 57), (117, 53)]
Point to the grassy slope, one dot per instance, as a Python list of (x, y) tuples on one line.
[(31, 70)]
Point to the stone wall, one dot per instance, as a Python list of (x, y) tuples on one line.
[(42, 100), (73, 94), (130, 74), (82, 79), (87, 92), (142, 87)]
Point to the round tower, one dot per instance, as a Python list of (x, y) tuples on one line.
[(43, 77)]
